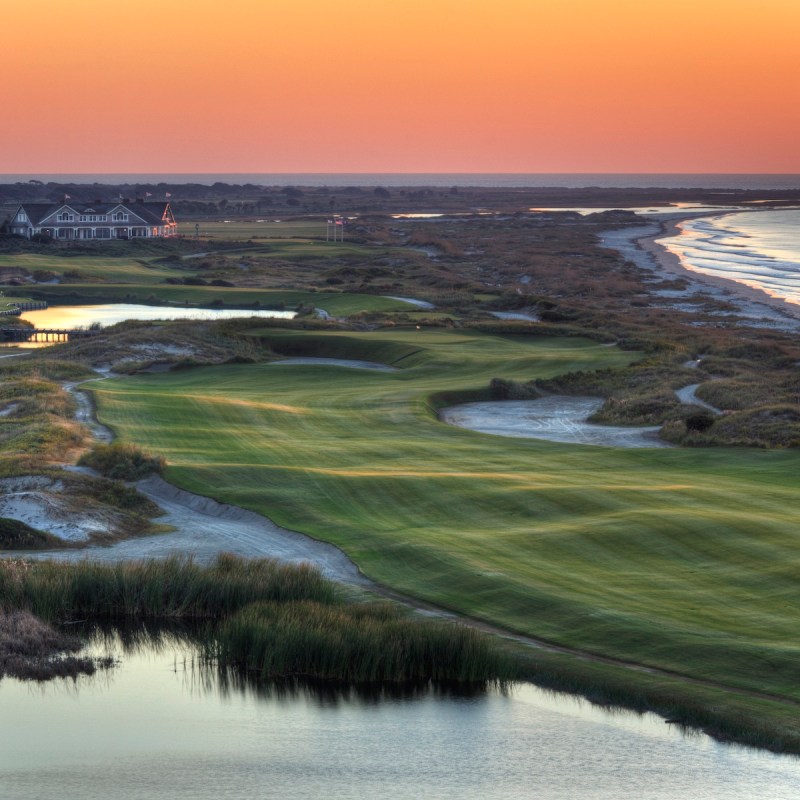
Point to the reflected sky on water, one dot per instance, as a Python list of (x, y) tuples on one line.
[(159, 726)]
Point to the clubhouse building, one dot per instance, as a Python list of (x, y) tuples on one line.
[(66, 221)]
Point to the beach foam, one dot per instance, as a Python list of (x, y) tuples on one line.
[(760, 249)]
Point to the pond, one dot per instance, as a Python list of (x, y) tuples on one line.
[(158, 726), (66, 317), (111, 313)]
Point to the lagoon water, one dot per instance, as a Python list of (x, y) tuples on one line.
[(760, 249), (112, 313), (158, 727)]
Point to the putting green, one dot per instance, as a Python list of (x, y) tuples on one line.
[(684, 559)]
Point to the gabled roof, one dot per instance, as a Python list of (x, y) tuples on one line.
[(38, 211), (152, 212)]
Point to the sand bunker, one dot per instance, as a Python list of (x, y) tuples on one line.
[(40, 502), (515, 315), (423, 304), (203, 528), (554, 419), (350, 363)]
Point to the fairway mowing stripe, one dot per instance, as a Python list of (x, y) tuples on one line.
[(230, 401)]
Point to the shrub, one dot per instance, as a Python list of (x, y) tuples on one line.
[(699, 422), (124, 462)]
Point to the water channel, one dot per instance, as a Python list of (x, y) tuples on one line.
[(158, 726)]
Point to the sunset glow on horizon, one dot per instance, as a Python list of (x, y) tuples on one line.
[(444, 86)]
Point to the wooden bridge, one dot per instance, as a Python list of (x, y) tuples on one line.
[(44, 334)]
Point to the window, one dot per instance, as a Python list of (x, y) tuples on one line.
[(21, 217), (120, 217), (64, 217)]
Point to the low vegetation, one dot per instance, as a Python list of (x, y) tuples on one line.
[(122, 462), (262, 618), (32, 650), (16, 535)]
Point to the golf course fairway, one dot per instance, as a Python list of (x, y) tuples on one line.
[(684, 559)]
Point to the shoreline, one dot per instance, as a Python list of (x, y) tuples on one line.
[(673, 265)]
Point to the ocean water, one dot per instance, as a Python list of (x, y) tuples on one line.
[(482, 179), (760, 249)]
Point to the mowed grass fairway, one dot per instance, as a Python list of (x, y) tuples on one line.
[(267, 228), (335, 303), (684, 559)]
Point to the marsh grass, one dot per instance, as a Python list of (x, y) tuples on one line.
[(276, 621), (172, 588), (364, 644)]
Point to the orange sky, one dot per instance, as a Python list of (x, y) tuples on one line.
[(414, 86)]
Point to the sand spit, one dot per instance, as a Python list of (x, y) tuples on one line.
[(554, 419)]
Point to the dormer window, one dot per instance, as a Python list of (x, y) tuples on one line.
[(119, 217), (21, 217), (65, 217)]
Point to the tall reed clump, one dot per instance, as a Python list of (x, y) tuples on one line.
[(358, 644), (169, 589), (264, 618)]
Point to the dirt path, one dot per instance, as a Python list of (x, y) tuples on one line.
[(688, 395)]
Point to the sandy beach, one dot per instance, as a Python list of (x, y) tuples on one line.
[(750, 299)]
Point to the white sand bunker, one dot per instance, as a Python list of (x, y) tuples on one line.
[(40, 502), (555, 419), (349, 363)]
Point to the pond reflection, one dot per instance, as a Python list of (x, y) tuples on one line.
[(163, 724)]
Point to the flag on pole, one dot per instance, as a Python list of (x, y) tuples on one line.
[(169, 194), (68, 197), (148, 194)]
